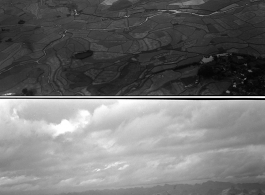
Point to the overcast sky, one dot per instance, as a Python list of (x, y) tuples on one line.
[(75, 145)]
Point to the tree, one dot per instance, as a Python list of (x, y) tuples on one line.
[(206, 71), (27, 92)]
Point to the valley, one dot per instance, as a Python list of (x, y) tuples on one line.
[(131, 47)]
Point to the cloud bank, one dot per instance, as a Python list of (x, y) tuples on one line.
[(55, 146)]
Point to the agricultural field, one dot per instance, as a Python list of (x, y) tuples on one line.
[(132, 47)]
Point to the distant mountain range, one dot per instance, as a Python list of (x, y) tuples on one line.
[(206, 188)]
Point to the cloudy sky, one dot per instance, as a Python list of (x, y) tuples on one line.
[(56, 146)]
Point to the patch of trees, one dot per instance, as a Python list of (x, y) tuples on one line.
[(206, 71), (83, 55), (9, 40), (119, 5), (21, 22), (28, 92)]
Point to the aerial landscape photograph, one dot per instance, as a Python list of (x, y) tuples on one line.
[(132, 47), (132, 147)]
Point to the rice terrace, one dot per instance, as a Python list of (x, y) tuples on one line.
[(132, 47)]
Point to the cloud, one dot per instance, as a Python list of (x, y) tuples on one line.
[(80, 121), (20, 187), (72, 145), (51, 111), (123, 167), (16, 180), (90, 181)]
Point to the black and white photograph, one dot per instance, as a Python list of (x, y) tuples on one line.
[(132, 48), (132, 147)]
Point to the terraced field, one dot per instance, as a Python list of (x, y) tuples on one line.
[(132, 47)]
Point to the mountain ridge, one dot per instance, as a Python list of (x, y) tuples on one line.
[(206, 188)]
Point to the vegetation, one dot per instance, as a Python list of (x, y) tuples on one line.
[(206, 71), (28, 92)]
